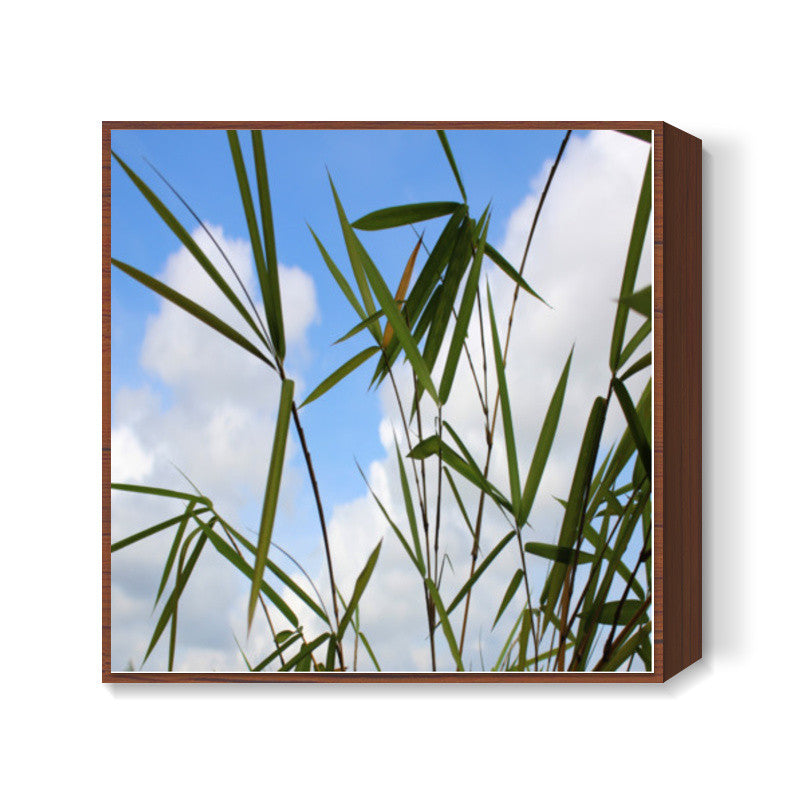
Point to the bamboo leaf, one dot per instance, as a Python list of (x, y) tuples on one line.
[(544, 444), (157, 491), (512, 273), (190, 244), (341, 372), (361, 584), (341, 281), (449, 153), (395, 216), (173, 551), (495, 551), (513, 585), (283, 645), (641, 301), (505, 406), (365, 323), (304, 654), (271, 494), (351, 243), (632, 263), (136, 537), (608, 611), (634, 425), (459, 501), (272, 291), (462, 319), (172, 601), (626, 649), (446, 627), (192, 308), (641, 334), (409, 504), (564, 555), (644, 362)]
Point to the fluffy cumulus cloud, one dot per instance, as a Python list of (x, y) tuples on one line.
[(209, 409), (576, 263), (218, 412)]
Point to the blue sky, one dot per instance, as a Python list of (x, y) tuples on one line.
[(162, 411)]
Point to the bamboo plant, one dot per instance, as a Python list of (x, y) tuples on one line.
[(593, 609)]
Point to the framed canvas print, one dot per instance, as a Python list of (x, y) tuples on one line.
[(401, 401)]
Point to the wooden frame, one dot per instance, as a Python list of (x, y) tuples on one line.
[(677, 433)]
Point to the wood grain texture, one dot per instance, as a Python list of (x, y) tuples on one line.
[(682, 397), (676, 420)]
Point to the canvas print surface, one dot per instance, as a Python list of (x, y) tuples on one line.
[(381, 400)]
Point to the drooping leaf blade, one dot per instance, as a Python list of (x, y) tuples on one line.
[(395, 216), (340, 373)]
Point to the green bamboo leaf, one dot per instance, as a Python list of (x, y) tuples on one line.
[(171, 603), (283, 645), (173, 630), (271, 493), (173, 551), (512, 273), (481, 568), (446, 627), (396, 216), (409, 504), (509, 640), (433, 445), (634, 425), (524, 636), (576, 503), (136, 537), (192, 308), (361, 584), (277, 572), (462, 318), (225, 550), (608, 611), (645, 136), (563, 555), (632, 263), (341, 372), (341, 281), (369, 651), (544, 444), (513, 585), (365, 323), (304, 654), (191, 245), (644, 362), (505, 406), (459, 501), (271, 292), (640, 302), (157, 491), (641, 334), (352, 245), (449, 153)]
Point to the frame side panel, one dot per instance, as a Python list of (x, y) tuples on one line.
[(682, 540)]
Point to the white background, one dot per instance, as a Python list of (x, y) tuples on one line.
[(728, 724)]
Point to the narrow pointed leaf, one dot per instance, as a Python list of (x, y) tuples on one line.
[(644, 362), (632, 263), (564, 555), (634, 425), (136, 537), (608, 612), (341, 281), (272, 292), (400, 295), (505, 407), (155, 490), (192, 308), (462, 319), (481, 568), (395, 216), (641, 334), (409, 504), (341, 372), (365, 323), (447, 628), (173, 551), (361, 584), (512, 273), (641, 301), (304, 654), (449, 153), (271, 494), (513, 585), (543, 445)]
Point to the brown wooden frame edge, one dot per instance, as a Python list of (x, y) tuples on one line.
[(681, 570)]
